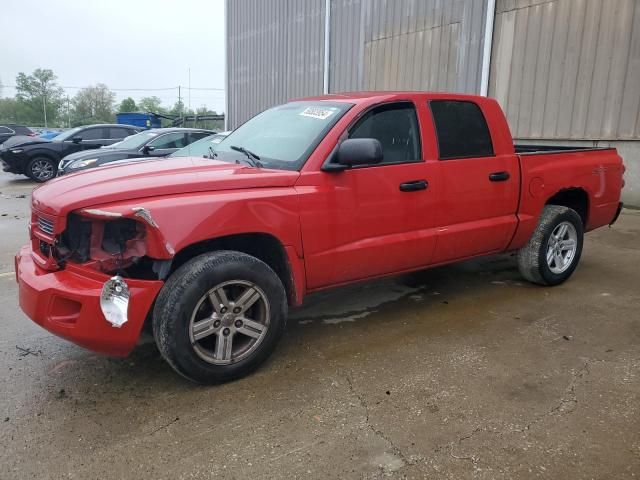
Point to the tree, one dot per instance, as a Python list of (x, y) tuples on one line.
[(93, 104), (151, 104), (127, 105), (177, 109), (11, 111), (41, 96)]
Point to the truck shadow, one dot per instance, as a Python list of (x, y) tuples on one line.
[(335, 331), (428, 302)]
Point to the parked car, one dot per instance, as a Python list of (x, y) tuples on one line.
[(49, 134), (38, 158), (9, 130), (202, 147), (158, 142), (312, 194)]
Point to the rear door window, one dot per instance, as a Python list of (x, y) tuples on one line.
[(461, 130), (118, 133), (91, 134)]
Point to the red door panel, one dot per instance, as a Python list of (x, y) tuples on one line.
[(358, 223), (475, 214)]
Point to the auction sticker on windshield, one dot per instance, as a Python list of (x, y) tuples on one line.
[(318, 112)]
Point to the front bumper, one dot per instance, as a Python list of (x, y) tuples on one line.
[(11, 162), (67, 303)]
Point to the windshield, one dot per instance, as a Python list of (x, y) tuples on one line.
[(201, 147), (66, 135), (284, 136), (136, 141)]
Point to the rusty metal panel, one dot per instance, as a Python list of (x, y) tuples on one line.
[(275, 52), (568, 69)]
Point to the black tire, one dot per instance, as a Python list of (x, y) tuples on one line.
[(41, 169), (185, 291), (532, 258)]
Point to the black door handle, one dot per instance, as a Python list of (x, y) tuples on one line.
[(499, 176), (413, 186)]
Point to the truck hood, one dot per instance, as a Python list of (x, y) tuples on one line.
[(150, 178)]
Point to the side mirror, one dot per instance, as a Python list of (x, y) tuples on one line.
[(76, 139), (148, 149), (354, 152)]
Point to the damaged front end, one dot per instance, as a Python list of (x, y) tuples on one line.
[(123, 243)]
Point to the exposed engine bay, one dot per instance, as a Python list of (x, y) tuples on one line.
[(113, 246)]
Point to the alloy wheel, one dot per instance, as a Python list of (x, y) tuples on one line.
[(229, 322), (42, 170), (561, 247)]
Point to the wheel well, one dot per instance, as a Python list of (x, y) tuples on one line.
[(574, 198), (39, 154), (35, 156), (263, 246)]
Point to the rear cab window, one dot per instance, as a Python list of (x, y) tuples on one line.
[(461, 130)]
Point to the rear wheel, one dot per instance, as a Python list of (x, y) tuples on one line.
[(41, 169), (219, 316), (553, 251)]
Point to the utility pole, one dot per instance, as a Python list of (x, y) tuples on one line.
[(180, 101), (68, 113), (44, 108)]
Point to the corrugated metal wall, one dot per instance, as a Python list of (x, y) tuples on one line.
[(347, 42), (275, 51), (276, 48), (423, 45), (568, 69), (406, 44)]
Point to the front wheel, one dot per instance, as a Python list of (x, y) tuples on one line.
[(219, 316), (553, 251), (41, 169)]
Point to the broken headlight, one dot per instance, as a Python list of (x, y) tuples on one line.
[(114, 301)]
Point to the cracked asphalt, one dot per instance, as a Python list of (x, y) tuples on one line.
[(458, 372)]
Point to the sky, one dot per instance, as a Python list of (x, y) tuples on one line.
[(133, 44)]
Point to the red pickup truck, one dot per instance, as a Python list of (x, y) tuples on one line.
[(209, 251)]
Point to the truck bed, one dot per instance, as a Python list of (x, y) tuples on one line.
[(551, 149)]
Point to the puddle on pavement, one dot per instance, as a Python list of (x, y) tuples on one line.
[(427, 287), (420, 307)]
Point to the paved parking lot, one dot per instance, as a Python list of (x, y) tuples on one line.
[(457, 372)]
